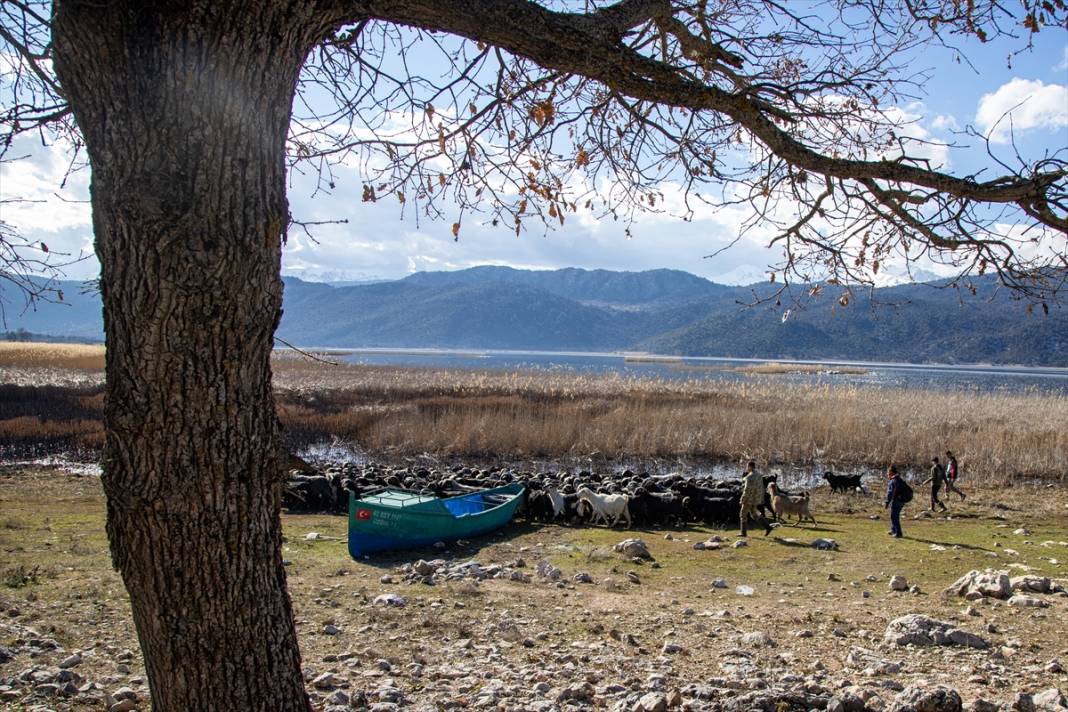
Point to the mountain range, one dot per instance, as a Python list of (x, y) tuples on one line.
[(659, 311)]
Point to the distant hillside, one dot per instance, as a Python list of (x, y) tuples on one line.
[(660, 311), (915, 323), (78, 315)]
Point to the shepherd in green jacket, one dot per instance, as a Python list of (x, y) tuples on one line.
[(752, 497)]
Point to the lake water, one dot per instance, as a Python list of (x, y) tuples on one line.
[(980, 378)]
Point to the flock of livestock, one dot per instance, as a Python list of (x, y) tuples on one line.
[(629, 498)]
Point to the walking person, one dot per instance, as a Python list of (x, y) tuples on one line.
[(898, 494), (936, 480), (753, 497), (952, 473)]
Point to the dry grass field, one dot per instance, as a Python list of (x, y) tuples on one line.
[(51, 396)]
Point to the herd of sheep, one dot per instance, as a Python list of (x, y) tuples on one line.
[(630, 498)]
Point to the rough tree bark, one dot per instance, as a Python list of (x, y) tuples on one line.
[(184, 109)]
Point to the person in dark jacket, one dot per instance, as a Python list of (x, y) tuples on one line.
[(936, 480), (893, 501)]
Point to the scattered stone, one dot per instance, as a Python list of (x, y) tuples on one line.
[(740, 543), (758, 639), (898, 583), (825, 544), (1030, 584), (124, 693), (672, 649), (1022, 531), (331, 629), (1027, 602), (719, 582), (424, 568), (631, 548), (916, 629), (582, 577), (123, 706), (547, 571), (338, 697), (326, 681), (927, 699), (1050, 699), (633, 577), (982, 584), (744, 590), (390, 600), (69, 662), (580, 692), (1054, 667), (651, 702)]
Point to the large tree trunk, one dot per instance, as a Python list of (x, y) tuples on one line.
[(184, 113)]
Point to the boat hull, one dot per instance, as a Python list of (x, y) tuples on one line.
[(394, 520)]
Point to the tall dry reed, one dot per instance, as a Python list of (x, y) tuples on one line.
[(558, 413), (552, 413)]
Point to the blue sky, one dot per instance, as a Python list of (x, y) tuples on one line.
[(377, 243)]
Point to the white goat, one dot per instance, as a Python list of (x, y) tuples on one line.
[(557, 499), (605, 506)]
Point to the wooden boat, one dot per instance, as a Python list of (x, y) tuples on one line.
[(397, 519)]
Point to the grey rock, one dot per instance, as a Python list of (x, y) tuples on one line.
[(935, 698), (390, 600), (1022, 703), (898, 583), (547, 571), (758, 639), (652, 702), (579, 692), (326, 681), (71, 661), (123, 706), (631, 548), (424, 568), (981, 705), (846, 701), (769, 700), (1030, 584), (672, 649), (124, 693), (338, 697), (825, 544), (582, 577), (916, 629), (1023, 601), (1051, 700), (982, 584)]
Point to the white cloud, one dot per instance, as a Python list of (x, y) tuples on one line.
[(1022, 105), (944, 122), (1064, 62)]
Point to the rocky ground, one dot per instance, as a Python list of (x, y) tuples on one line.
[(555, 618)]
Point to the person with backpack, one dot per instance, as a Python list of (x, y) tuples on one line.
[(952, 473), (936, 480), (898, 494)]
